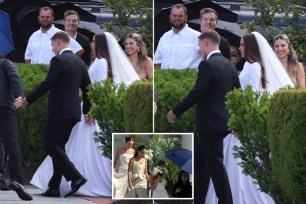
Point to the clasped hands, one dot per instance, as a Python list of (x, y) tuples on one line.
[(20, 102)]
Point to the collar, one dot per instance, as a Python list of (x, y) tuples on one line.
[(65, 49), (211, 53), (181, 32)]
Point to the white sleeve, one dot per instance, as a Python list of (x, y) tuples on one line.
[(255, 77), (158, 55), (99, 70), (74, 45), (28, 53)]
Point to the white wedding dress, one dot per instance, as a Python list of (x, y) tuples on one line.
[(83, 152), (244, 191), (120, 180), (160, 190)]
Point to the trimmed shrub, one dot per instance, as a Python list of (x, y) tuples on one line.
[(171, 87), (31, 120), (287, 131), (138, 110)]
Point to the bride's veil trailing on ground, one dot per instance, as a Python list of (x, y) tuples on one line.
[(123, 71), (276, 75)]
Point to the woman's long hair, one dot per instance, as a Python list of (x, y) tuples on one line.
[(140, 148), (252, 54), (101, 50), (142, 52), (180, 180)]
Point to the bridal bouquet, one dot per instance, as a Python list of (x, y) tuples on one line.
[(148, 154), (158, 170)]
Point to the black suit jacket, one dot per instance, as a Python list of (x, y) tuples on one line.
[(216, 77), (224, 47), (66, 75), (85, 44)]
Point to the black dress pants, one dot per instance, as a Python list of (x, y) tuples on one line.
[(57, 134), (9, 136), (209, 164)]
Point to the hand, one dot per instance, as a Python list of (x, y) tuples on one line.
[(20, 102), (177, 190), (89, 120), (80, 92), (154, 107), (171, 117)]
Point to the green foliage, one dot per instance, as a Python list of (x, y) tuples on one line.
[(171, 87), (266, 10), (31, 120), (138, 111), (287, 131), (107, 108), (126, 10), (248, 121)]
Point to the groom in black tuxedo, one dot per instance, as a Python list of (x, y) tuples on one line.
[(66, 75), (216, 77)]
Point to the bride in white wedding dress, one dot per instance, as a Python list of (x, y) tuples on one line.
[(81, 148), (158, 180), (263, 71)]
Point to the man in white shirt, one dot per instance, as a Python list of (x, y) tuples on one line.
[(178, 48), (39, 49)]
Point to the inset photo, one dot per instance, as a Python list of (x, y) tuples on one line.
[(152, 166)]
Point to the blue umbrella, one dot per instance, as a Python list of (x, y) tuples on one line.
[(182, 158), (6, 40)]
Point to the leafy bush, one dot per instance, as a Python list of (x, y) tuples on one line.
[(171, 87), (287, 131), (31, 121), (138, 110), (248, 121)]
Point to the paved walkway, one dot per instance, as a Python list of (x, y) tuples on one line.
[(10, 197)]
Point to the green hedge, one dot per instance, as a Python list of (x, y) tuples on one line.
[(171, 87), (287, 137), (138, 110), (31, 120)]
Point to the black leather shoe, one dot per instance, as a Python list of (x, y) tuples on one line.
[(3, 184), (75, 185), (51, 192), (20, 190)]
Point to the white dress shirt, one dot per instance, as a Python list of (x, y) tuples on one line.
[(178, 50), (39, 49)]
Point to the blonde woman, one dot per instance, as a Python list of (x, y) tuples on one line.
[(137, 53), (287, 55)]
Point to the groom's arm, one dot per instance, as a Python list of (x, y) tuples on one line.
[(204, 79)]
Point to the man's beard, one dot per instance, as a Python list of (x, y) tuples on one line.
[(178, 26), (46, 26)]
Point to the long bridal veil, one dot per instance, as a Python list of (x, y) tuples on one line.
[(122, 68), (276, 74)]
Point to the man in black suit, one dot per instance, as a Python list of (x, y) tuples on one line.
[(66, 75), (71, 22), (216, 77), (209, 20), (11, 87)]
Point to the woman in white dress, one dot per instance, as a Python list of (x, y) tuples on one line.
[(123, 155), (158, 180), (263, 71), (138, 175), (81, 148)]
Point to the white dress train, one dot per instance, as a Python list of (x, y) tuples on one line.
[(160, 190), (83, 152)]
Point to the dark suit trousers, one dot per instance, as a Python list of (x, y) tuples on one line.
[(209, 164), (57, 134), (9, 136)]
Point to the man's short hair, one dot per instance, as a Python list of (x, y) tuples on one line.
[(71, 12), (208, 10), (61, 35), (46, 8), (178, 6), (211, 35)]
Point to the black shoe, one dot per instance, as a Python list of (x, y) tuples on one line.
[(75, 185), (20, 190), (3, 184), (51, 192)]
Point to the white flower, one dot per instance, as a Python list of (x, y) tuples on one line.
[(159, 170), (148, 154)]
